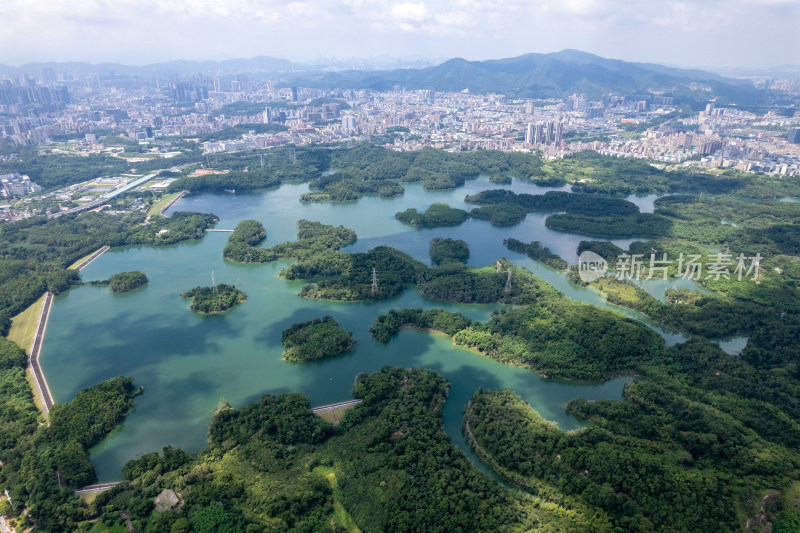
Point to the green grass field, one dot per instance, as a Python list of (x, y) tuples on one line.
[(334, 416), (162, 203), (23, 326), (81, 260), (341, 516)]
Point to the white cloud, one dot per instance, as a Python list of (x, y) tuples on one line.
[(727, 31), (409, 12)]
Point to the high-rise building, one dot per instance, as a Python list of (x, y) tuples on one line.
[(530, 133), (538, 134), (709, 147), (294, 94), (529, 107), (559, 133), (348, 123), (549, 133), (794, 136)]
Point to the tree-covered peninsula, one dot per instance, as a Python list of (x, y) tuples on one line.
[(536, 251), (315, 339), (207, 300), (312, 238)]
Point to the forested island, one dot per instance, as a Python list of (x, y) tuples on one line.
[(315, 339), (435, 216), (448, 250), (126, 281), (207, 300)]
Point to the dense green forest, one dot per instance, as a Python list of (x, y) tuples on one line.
[(435, 216), (315, 339), (703, 440), (215, 299), (52, 171), (658, 462), (126, 281), (448, 250), (388, 466), (43, 464)]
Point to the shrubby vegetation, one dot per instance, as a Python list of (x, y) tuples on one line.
[(435, 216), (315, 339), (217, 299), (448, 251), (126, 281), (536, 251)]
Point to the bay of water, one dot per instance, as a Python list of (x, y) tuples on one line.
[(188, 362)]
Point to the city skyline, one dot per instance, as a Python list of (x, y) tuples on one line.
[(739, 33)]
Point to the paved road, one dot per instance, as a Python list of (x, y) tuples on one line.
[(102, 199), (3, 526)]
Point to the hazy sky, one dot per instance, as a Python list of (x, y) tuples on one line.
[(704, 33)]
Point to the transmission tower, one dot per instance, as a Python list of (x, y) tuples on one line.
[(213, 283), (374, 280), (508, 282)]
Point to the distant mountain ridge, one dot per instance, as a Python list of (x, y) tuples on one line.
[(534, 75), (182, 67), (545, 75)]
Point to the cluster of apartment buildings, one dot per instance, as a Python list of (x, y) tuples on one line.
[(647, 125)]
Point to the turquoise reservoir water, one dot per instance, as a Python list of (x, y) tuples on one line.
[(187, 362)]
